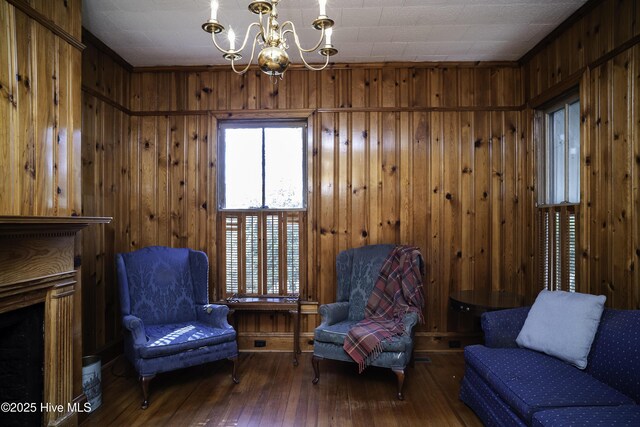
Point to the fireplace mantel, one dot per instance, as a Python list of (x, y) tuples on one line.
[(39, 263)]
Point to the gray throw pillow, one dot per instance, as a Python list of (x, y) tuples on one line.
[(563, 325)]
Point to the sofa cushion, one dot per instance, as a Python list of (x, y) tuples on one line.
[(175, 338), (615, 353), (563, 324), (530, 381), (590, 416), (336, 333)]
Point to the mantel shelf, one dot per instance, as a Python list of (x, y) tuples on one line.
[(21, 224)]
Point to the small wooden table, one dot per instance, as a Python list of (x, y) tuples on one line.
[(288, 304), (477, 302)]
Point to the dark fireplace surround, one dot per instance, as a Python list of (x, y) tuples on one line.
[(40, 282), (22, 363)]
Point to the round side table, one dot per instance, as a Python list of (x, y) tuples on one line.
[(477, 302)]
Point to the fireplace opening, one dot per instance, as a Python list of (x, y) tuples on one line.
[(21, 365)]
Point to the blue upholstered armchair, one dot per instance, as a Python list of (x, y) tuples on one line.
[(168, 323), (357, 271)]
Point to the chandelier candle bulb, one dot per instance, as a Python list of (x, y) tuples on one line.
[(214, 10), (329, 32), (232, 39), (323, 7)]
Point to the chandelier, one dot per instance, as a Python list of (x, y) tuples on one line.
[(271, 36)]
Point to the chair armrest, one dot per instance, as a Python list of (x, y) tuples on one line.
[(410, 320), (501, 328), (135, 325), (213, 315), (334, 312)]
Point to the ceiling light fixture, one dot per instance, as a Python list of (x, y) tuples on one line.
[(273, 58)]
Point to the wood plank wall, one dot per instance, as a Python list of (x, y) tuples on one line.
[(40, 121), (105, 192), (600, 54), (437, 155), (430, 155), (39, 109)]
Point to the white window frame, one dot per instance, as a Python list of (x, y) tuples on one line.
[(282, 273), (557, 221)]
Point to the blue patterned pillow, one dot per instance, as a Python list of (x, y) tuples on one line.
[(563, 325)]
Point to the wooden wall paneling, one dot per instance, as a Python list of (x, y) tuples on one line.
[(297, 89), (587, 206), (390, 212), (497, 93), (467, 197), (65, 14), (482, 208), (374, 178), (149, 91), (177, 190), (419, 82), (343, 205), (134, 184), (416, 232), (511, 278), (219, 97), (163, 192), (135, 100), (450, 199), (27, 98), (496, 194), (63, 93), (89, 196), (9, 197), (482, 87), (635, 174), (148, 178), (406, 174), (529, 211), (602, 188), (621, 249), (212, 202), (45, 120), (202, 182), (435, 287), (326, 209), (449, 95)]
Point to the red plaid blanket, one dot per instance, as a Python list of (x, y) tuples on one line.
[(398, 290)]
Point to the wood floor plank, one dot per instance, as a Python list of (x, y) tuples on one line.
[(272, 392)]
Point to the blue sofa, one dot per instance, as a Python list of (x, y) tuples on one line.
[(510, 386)]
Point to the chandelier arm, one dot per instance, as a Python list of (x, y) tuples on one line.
[(246, 37), (306, 64), (253, 51), (297, 40)]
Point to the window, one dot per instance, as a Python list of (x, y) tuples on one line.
[(262, 202), (558, 142)]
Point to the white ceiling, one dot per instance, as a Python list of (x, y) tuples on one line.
[(168, 32)]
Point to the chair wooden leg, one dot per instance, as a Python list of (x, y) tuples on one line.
[(315, 362), (400, 375), (145, 380), (234, 360)]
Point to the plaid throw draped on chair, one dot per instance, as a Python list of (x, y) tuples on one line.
[(398, 290)]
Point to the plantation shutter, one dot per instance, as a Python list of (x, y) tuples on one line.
[(263, 252), (557, 237)]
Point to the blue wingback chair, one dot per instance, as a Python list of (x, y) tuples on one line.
[(357, 271), (168, 322)]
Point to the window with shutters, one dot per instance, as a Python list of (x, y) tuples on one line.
[(558, 180), (262, 206)]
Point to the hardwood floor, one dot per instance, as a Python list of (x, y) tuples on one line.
[(272, 392)]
